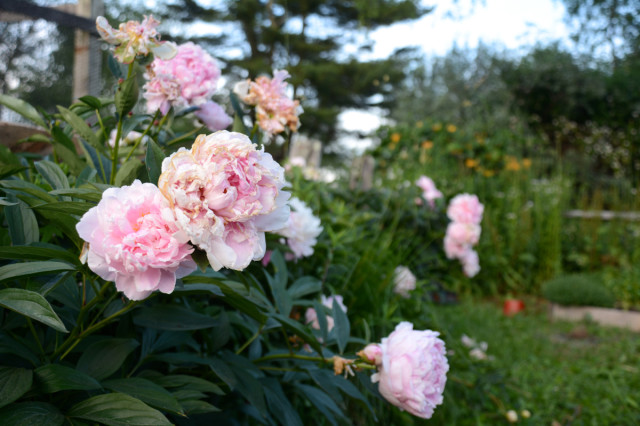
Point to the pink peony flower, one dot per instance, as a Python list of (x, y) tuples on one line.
[(135, 242), (302, 229), (412, 369), (466, 234), (213, 116), (134, 38), (274, 110), (465, 208), (311, 316), (190, 78), (226, 194), (429, 190), (470, 263), (404, 281)]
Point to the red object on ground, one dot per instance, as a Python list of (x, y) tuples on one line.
[(512, 307)]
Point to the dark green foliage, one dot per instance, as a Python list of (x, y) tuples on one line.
[(577, 290)]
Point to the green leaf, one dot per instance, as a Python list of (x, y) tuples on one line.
[(278, 284), (31, 414), (10, 170), (128, 172), (22, 222), (130, 123), (14, 382), (4, 202), (188, 382), (104, 357), (117, 409), (171, 317), (195, 406), (62, 139), (28, 188), (153, 161), (38, 253), (126, 95), (52, 173), (69, 157), (298, 329), (9, 345), (31, 304), (200, 288), (92, 101), (114, 67), (82, 193), (342, 327), (79, 125), (146, 391), (304, 286), (279, 404), (71, 207), (55, 377), (97, 160), (24, 109), (322, 401)]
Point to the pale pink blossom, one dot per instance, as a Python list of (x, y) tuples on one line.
[(311, 316), (213, 116), (429, 190), (274, 110), (470, 263), (453, 249), (134, 38), (135, 242), (403, 281), (226, 194), (412, 369), (188, 79), (466, 234), (465, 208), (302, 229)]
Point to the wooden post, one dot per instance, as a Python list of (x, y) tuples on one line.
[(81, 54)]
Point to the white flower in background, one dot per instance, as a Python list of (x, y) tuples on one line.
[(404, 281), (130, 139), (302, 229)]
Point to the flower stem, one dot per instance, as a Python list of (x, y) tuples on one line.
[(153, 120), (248, 342), (186, 135), (114, 157)]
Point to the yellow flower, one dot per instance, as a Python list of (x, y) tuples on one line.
[(427, 145), (395, 137), (488, 173), (466, 103), (512, 165), (470, 163), (451, 128), (526, 163), (419, 124), (436, 127)]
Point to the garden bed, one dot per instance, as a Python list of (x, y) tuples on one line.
[(603, 316)]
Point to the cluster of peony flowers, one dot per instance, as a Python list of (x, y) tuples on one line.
[(412, 369), (463, 232), (403, 281), (221, 196), (226, 194), (134, 38), (274, 110), (190, 78), (429, 190), (301, 231), (134, 240), (311, 316)]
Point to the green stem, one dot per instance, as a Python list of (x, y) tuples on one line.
[(254, 130), (248, 342), (162, 121), (114, 157), (35, 336), (104, 130), (153, 120), (186, 135)]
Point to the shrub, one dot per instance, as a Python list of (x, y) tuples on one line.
[(577, 289)]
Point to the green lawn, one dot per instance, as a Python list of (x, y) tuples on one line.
[(569, 373)]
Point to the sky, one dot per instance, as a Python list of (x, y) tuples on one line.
[(513, 24)]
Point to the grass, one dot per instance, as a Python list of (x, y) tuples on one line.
[(562, 373)]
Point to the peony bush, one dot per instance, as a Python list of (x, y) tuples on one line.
[(132, 287)]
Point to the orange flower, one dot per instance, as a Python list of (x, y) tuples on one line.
[(470, 163), (436, 127), (427, 145), (526, 163), (395, 137), (451, 128), (512, 165)]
